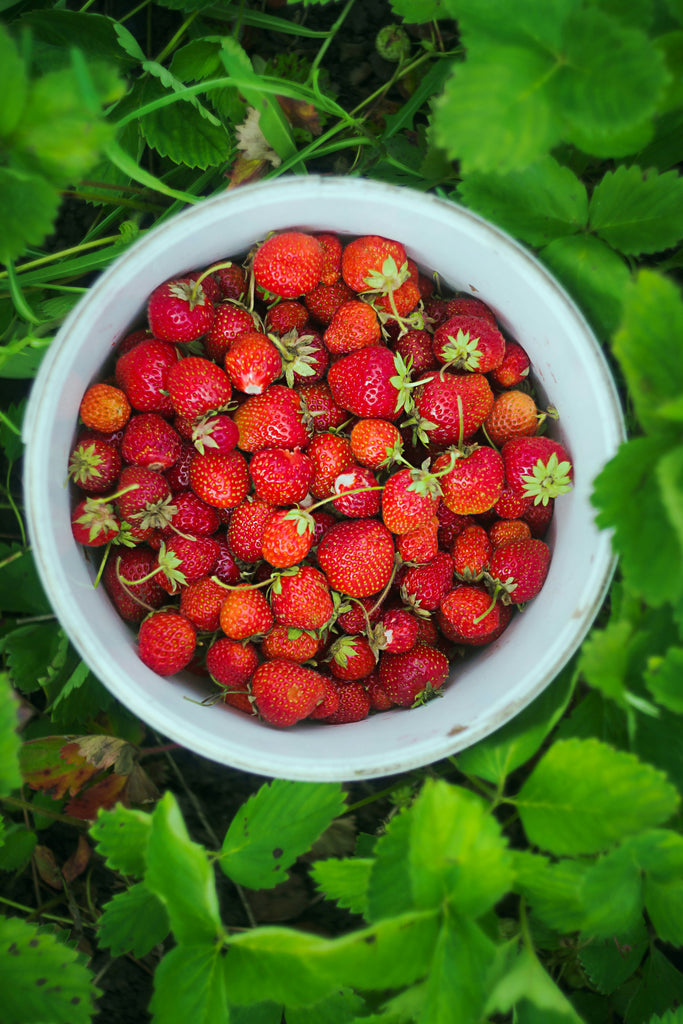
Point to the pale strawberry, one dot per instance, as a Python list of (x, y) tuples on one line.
[(514, 414), (357, 557), (104, 407), (413, 677), (286, 692), (166, 642)]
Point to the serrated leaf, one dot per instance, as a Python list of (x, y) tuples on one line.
[(527, 981), (593, 274), (553, 889), (418, 12), (41, 978), (171, 855), (258, 1013), (583, 796), (17, 844), (530, 22), (612, 142), (539, 203), (196, 60), (189, 985), (659, 986), (457, 984), (345, 881), (501, 85), (606, 658), (274, 827), (134, 921), (13, 83), (663, 679), (339, 1008), (179, 132), (612, 893), (59, 30), (10, 744), (638, 211), (611, 961), (34, 652), (389, 886), (28, 209), (172, 84), (495, 757), (122, 836)]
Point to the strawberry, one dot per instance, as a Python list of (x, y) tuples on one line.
[(245, 613), (420, 544), (273, 419), (357, 557), (374, 442), (331, 455), (286, 316), (201, 602), (379, 699), (510, 505), (353, 326), (330, 700), (409, 499), (220, 479), (398, 301), (142, 593), (423, 586), (179, 311), (469, 343), (183, 560), (415, 348), (252, 362), (451, 407), (301, 599), (396, 631), (217, 433), (467, 615), (475, 480), (245, 530), (166, 642), (191, 515), (537, 467), (286, 692), (288, 264), (150, 440), (373, 263), (94, 522), (450, 524), (143, 374), (227, 570), (304, 357), (468, 306), (413, 677), (322, 521), (504, 530), (332, 247), (295, 644), (520, 568), (144, 498), (231, 665), (178, 475), (129, 341), (359, 615), (513, 414), (94, 465), (281, 476), (371, 382), (324, 301), (321, 411), (197, 386), (514, 367), (471, 551), (353, 704), (232, 281), (231, 320), (365, 503), (538, 518), (287, 537), (104, 407), (351, 657)]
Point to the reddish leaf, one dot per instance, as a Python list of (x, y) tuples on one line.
[(78, 861), (104, 793), (245, 171), (300, 114), (46, 865), (43, 767)]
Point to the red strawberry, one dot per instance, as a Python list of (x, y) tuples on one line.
[(197, 386), (504, 530), (357, 556), (421, 544), (398, 301), (332, 253), (331, 455), (201, 602), (286, 692), (286, 316), (467, 615), (94, 465), (252, 363), (150, 440), (288, 264), (183, 560), (179, 311), (510, 505), (287, 537), (469, 343), (220, 479), (245, 529), (451, 407), (330, 701), (231, 320), (104, 407), (410, 499), (320, 409), (514, 368), (217, 433), (514, 414), (365, 503), (134, 599), (474, 482), (245, 613), (144, 499), (94, 522), (129, 341), (227, 569), (166, 642), (178, 475), (280, 476), (415, 348), (520, 568), (304, 357), (143, 374), (373, 263), (396, 631), (359, 615), (423, 586), (301, 599), (413, 677), (232, 665), (537, 467), (232, 281), (370, 383), (353, 326), (295, 644), (192, 515), (468, 306), (538, 518), (271, 420), (374, 442), (353, 704), (351, 657), (379, 700), (323, 302), (471, 552)]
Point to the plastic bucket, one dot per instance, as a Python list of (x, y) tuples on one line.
[(471, 256)]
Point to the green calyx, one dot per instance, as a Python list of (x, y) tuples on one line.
[(298, 355), (548, 480), (403, 384), (462, 352), (389, 278)]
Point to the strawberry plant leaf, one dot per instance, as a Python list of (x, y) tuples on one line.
[(609, 962), (134, 921), (638, 211), (658, 986), (28, 209), (56, 31), (345, 881), (122, 835), (263, 839), (527, 981), (13, 83), (537, 204), (594, 274), (501, 85), (495, 757), (552, 888), (189, 984), (583, 796), (41, 978), (257, 1013), (457, 983), (17, 844), (540, 24), (34, 653), (418, 12), (182, 132), (171, 854), (617, 908), (339, 1008), (10, 775), (663, 679)]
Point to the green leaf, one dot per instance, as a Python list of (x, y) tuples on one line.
[(553, 889), (28, 209), (606, 658), (593, 274), (121, 836), (189, 985), (118, 156), (628, 498), (41, 978), (456, 986), (134, 921), (10, 776), (419, 12), (539, 203), (183, 133), (340, 1008), (34, 653), (502, 86), (609, 962), (663, 679), (16, 848), (527, 982), (274, 827), (637, 13), (390, 884), (59, 30), (658, 986), (541, 24), (172, 84), (638, 211), (610, 142), (258, 1013), (171, 855), (612, 893), (196, 60), (583, 796), (345, 881), (13, 83), (669, 473), (495, 757)]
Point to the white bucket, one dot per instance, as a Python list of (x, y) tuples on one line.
[(471, 256)]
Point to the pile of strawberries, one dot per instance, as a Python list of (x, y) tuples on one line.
[(315, 479)]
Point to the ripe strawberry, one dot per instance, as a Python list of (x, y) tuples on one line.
[(373, 263), (286, 316), (513, 414), (323, 302), (231, 320), (358, 615), (474, 482), (374, 442), (467, 615), (413, 677), (245, 613), (370, 383), (197, 386), (94, 465), (144, 498), (410, 499), (451, 407), (166, 642), (351, 657), (286, 692), (423, 586), (201, 602), (357, 556), (504, 530), (397, 301), (143, 374), (365, 503), (178, 475), (510, 505), (471, 551), (288, 264), (514, 368), (252, 362), (331, 246), (322, 521), (396, 631), (537, 467), (150, 440), (227, 570), (220, 479), (520, 568), (468, 306), (232, 281), (304, 356), (420, 544), (245, 529), (330, 701), (134, 599), (191, 515), (183, 560), (94, 522), (129, 341), (300, 598), (415, 348), (450, 524), (321, 411), (379, 699), (353, 704), (538, 518), (104, 407), (353, 326), (231, 665), (273, 419), (179, 311), (281, 477), (217, 433), (469, 343), (287, 537), (295, 644), (331, 455)]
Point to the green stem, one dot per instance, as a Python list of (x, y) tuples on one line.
[(13, 801), (32, 264), (171, 45), (332, 33)]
